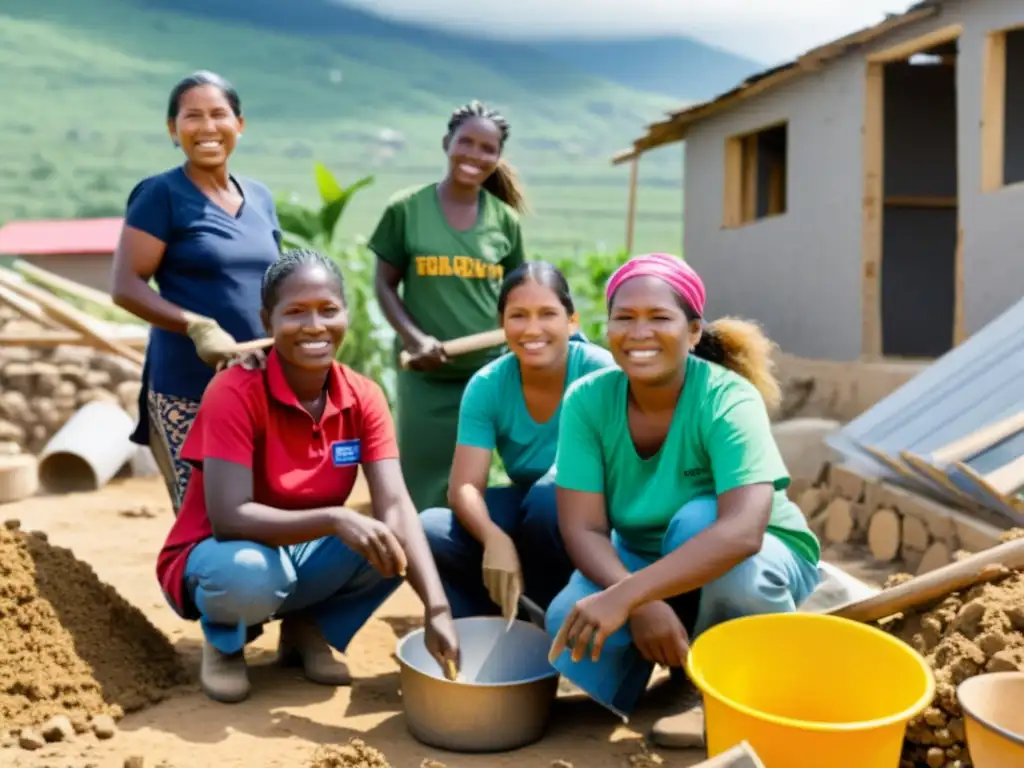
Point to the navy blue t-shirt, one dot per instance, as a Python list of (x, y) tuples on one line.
[(213, 266)]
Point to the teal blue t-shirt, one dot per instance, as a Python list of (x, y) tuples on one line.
[(493, 413)]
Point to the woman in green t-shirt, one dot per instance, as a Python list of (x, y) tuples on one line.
[(448, 245), (671, 494)]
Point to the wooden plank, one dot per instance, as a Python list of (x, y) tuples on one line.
[(750, 163), (28, 309), (993, 111), (634, 170), (979, 440), (908, 48), (977, 486), (64, 313), (959, 283), (871, 213), (57, 282), (65, 338), (1008, 480), (732, 202)]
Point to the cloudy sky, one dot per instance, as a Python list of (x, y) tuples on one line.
[(767, 30)]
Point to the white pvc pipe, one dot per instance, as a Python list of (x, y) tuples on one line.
[(88, 450)]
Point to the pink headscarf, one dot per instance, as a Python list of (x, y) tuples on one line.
[(672, 270)]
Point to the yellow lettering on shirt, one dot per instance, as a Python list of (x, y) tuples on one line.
[(465, 267)]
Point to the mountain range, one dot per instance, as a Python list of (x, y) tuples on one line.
[(85, 84)]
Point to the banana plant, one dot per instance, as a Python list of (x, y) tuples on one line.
[(368, 338)]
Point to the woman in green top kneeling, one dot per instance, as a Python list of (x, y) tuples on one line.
[(448, 245), (670, 493), (512, 406)]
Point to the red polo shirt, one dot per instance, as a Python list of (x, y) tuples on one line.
[(254, 418)]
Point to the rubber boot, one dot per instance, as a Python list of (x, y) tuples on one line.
[(224, 677), (303, 645)]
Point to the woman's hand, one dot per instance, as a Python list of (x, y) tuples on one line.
[(659, 634), (503, 576), (442, 641), (213, 344), (250, 361), (591, 621), (373, 540), (427, 355)]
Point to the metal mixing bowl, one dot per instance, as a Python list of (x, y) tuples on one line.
[(502, 699)]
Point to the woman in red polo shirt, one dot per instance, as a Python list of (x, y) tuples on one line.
[(262, 532)]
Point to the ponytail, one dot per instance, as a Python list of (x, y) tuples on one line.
[(505, 185), (742, 347)]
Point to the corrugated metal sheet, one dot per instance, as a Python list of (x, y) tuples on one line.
[(980, 383), (60, 236)]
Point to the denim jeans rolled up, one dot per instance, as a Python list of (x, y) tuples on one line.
[(238, 586), (775, 580), (529, 516)]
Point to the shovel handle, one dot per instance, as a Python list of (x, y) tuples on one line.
[(987, 565), (463, 345)]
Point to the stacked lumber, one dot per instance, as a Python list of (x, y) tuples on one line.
[(54, 359), (955, 432), (846, 507)]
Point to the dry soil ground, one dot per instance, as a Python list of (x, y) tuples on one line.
[(286, 718)]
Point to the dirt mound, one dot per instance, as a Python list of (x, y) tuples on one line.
[(356, 754), (69, 644), (963, 635)]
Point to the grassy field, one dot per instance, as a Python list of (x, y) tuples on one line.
[(84, 89)]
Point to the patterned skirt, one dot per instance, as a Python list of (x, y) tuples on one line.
[(169, 421)]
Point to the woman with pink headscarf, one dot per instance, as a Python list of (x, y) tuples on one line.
[(671, 495)]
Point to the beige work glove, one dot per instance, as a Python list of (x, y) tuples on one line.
[(213, 344), (503, 576)]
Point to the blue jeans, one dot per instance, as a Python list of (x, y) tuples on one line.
[(773, 581), (237, 586), (530, 517)]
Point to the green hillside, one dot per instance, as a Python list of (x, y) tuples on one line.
[(84, 89)]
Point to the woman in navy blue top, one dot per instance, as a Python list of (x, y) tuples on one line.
[(205, 236)]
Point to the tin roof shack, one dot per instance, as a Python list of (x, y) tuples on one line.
[(865, 201), (78, 249)]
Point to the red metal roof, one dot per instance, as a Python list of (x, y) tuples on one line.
[(60, 236)]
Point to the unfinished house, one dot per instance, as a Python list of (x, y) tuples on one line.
[(866, 200)]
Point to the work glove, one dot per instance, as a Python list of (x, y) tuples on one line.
[(213, 344), (503, 576)]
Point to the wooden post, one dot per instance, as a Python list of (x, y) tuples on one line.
[(634, 172)]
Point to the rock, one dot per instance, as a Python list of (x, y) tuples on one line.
[(135, 761), (104, 727), (58, 728), (31, 740)]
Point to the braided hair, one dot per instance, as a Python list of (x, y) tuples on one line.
[(286, 266), (504, 182)]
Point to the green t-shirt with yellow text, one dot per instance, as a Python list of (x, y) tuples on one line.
[(451, 278)]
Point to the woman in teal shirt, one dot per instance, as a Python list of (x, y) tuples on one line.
[(512, 406), (671, 494)]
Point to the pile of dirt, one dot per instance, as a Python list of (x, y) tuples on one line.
[(69, 644), (356, 754), (963, 635)]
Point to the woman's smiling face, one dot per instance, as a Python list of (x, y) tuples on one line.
[(309, 318), (648, 331), (206, 126)]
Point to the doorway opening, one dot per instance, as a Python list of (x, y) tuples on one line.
[(915, 234)]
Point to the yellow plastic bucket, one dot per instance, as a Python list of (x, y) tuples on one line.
[(808, 690)]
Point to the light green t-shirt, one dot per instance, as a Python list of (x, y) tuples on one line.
[(451, 278), (720, 438), (493, 414)]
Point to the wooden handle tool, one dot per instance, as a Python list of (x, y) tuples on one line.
[(464, 345)]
